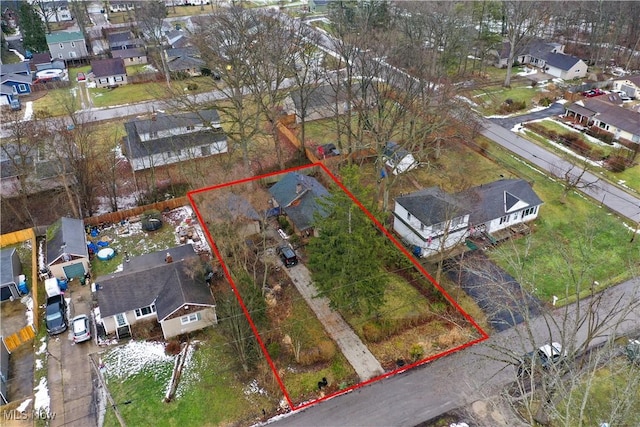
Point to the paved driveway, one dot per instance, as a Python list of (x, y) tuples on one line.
[(70, 379), (554, 109)]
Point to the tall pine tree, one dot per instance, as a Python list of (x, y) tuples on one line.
[(32, 29), (347, 259)]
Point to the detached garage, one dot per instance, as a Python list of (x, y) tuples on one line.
[(67, 252), (10, 269)]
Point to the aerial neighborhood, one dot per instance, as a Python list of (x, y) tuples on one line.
[(363, 212)]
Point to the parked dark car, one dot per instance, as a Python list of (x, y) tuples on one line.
[(287, 255), (56, 315)]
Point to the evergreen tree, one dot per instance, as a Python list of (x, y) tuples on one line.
[(347, 259), (32, 29)]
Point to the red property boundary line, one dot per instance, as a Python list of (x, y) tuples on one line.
[(483, 334)]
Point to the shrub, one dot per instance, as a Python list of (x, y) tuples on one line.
[(173, 347), (323, 352), (416, 352), (273, 348), (546, 101), (192, 86), (616, 163), (372, 332)]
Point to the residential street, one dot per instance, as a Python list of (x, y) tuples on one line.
[(450, 382), (617, 200)]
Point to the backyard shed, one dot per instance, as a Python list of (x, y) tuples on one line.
[(67, 253)]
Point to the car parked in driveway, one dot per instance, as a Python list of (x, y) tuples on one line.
[(56, 314), (81, 77), (593, 92), (545, 357), (287, 255), (81, 328)]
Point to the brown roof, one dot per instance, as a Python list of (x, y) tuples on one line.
[(108, 67)]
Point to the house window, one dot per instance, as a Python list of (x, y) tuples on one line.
[(22, 88), (205, 150), (154, 134), (61, 46), (60, 56), (118, 78), (145, 311), (194, 317), (191, 127), (179, 153), (103, 81), (529, 211), (408, 215), (421, 227), (72, 54), (121, 320), (73, 44), (504, 219)]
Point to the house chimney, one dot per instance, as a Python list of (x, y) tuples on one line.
[(168, 259)]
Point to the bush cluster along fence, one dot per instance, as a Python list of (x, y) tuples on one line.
[(569, 139)]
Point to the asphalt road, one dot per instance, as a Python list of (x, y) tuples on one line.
[(617, 200), (457, 380), (554, 109)]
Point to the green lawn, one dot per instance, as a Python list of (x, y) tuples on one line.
[(611, 386), (209, 393), (573, 244), (127, 94), (489, 100)]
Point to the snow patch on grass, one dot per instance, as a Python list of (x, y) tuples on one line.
[(135, 357)]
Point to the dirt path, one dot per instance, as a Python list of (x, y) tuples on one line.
[(358, 355)]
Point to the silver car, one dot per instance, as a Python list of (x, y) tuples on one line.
[(81, 329)]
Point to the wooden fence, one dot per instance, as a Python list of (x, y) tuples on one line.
[(115, 217)]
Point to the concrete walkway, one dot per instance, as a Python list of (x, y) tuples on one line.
[(358, 355)]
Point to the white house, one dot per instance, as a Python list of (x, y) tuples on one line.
[(171, 138), (398, 159), (432, 221), (630, 85)]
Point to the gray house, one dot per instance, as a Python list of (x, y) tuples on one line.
[(298, 196), (168, 286), (67, 253), (67, 45), (10, 269), (171, 138), (109, 72)]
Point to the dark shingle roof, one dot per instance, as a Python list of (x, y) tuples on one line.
[(17, 68), (496, 199), (300, 203), (16, 78), (149, 278), (609, 113), (559, 60), (136, 148), (432, 206), (67, 235), (185, 63), (128, 53), (108, 67)]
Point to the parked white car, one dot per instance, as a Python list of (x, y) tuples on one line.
[(81, 328)]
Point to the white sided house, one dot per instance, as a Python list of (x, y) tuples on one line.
[(164, 139), (433, 221), (168, 286)]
